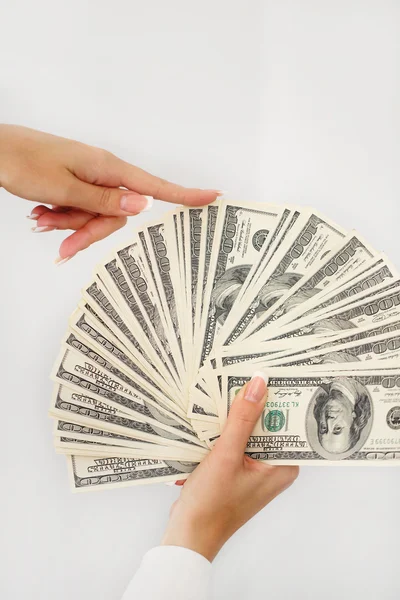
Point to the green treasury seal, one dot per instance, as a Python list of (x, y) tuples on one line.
[(274, 420)]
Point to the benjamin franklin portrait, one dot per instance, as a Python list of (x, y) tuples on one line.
[(228, 286), (339, 418)]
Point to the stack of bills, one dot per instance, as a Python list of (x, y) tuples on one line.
[(175, 322)]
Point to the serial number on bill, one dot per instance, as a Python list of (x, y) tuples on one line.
[(385, 441)]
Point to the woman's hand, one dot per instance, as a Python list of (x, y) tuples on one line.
[(228, 487), (82, 184)]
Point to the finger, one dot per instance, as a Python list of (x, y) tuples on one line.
[(73, 219), (102, 200), (96, 166), (56, 208), (180, 482), (96, 229), (140, 181), (243, 415), (37, 212)]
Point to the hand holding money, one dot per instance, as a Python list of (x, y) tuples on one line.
[(228, 488), (91, 190)]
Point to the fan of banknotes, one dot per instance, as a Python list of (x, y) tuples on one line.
[(176, 321)]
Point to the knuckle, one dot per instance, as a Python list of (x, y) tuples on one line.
[(99, 159), (241, 415), (104, 200), (160, 187)]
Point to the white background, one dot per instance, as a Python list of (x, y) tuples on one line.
[(277, 101)]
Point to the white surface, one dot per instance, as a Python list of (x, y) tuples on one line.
[(293, 101)]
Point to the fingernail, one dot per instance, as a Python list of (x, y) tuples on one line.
[(42, 229), (33, 216), (220, 192), (257, 387), (60, 261), (134, 203)]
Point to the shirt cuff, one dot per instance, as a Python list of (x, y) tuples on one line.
[(171, 572)]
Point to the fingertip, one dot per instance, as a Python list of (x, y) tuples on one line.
[(200, 197), (70, 247), (37, 212)]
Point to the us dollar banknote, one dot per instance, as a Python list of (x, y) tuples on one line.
[(71, 371), (347, 259), (345, 417), (368, 283), (384, 347), (240, 231), (88, 473), (371, 310), (175, 320), (282, 349), (143, 423), (312, 238), (126, 301), (128, 258)]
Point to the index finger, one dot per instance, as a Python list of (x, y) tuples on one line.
[(144, 183)]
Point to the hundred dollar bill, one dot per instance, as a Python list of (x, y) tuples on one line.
[(381, 347), (269, 245), (144, 429), (277, 349), (370, 281), (372, 310), (143, 423), (182, 255), (126, 304), (96, 297), (106, 374), (93, 473), (71, 371), (311, 238), (154, 239), (236, 248), (107, 345), (194, 227), (175, 238), (68, 435), (206, 247), (341, 418), (347, 258), (75, 447), (132, 267)]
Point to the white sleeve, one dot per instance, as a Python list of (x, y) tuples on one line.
[(170, 573)]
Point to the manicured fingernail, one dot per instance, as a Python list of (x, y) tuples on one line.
[(220, 192), (33, 216), (42, 229), (60, 261), (134, 203), (257, 387)]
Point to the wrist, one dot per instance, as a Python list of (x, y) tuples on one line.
[(204, 536)]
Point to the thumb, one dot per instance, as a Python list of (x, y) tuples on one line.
[(245, 411)]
